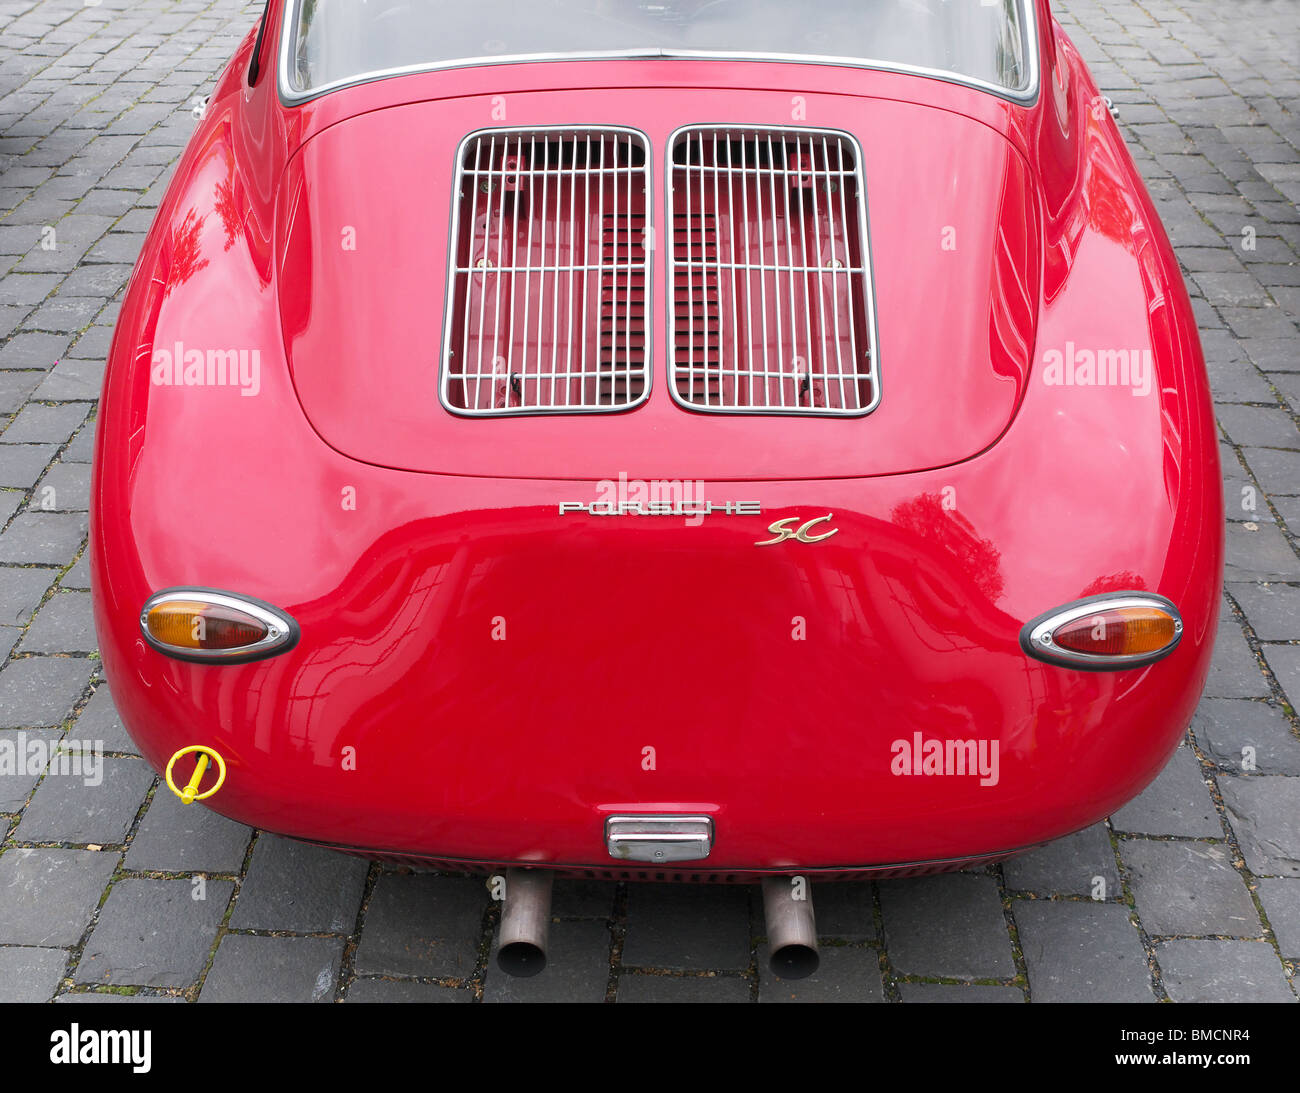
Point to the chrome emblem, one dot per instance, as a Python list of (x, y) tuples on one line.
[(783, 531)]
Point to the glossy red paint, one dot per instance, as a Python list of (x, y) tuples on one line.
[(403, 538)]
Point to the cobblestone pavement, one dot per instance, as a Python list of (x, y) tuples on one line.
[(1199, 877)]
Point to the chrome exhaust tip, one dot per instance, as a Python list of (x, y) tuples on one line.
[(525, 922), (791, 927)]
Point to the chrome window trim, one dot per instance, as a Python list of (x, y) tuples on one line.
[(864, 231), (1026, 96), (1031, 636), (283, 631), (444, 372)]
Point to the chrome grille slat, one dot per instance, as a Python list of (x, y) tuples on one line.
[(788, 211), (547, 283)]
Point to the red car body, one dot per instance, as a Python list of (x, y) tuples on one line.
[(482, 677)]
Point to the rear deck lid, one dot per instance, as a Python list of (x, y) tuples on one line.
[(670, 297)]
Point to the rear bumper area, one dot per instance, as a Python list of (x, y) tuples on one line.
[(491, 683)]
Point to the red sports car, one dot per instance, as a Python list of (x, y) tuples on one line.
[(719, 440)]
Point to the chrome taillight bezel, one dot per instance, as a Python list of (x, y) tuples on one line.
[(1046, 625), (283, 631)]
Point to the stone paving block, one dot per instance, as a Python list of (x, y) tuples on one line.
[(1189, 889), (47, 897), (950, 925), (20, 592), (577, 968), (33, 351), (72, 380), (248, 968), (15, 387), (1250, 323), (1246, 737), (1236, 381), (1264, 813), (1242, 499), (22, 464), (78, 577), (64, 314), (82, 448), (109, 202), (154, 933), (27, 288), (47, 538), (845, 974), (64, 624), (295, 887), (1077, 865), (96, 280), (1178, 802), (687, 927), (421, 925), (39, 424), (1284, 661), (178, 838), (1289, 385), (1222, 971), (1260, 555), (1082, 952), (1276, 470), (72, 808), (1281, 900), (92, 345), (844, 910), (948, 992), (1272, 610), (100, 721), (1273, 354), (405, 990), (643, 987), (23, 756), (10, 502), (117, 247), (1233, 289), (573, 898), (30, 975), (65, 487), (38, 691), (1234, 672), (11, 315)]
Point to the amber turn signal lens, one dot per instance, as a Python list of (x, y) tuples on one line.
[(208, 626), (190, 624), (1107, 633), (1118, 632)]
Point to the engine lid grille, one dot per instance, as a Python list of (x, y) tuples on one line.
[(548, 280), (771, 302)]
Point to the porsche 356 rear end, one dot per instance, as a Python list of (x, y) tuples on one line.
[(725, 442)]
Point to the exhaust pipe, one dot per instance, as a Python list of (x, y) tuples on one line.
[(791, 928), (525, 921)]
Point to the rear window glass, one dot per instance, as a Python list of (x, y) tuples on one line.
[(334, 42)]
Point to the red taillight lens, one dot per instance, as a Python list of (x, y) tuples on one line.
[(1120, 632), (1105, 633), (208, 626)]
